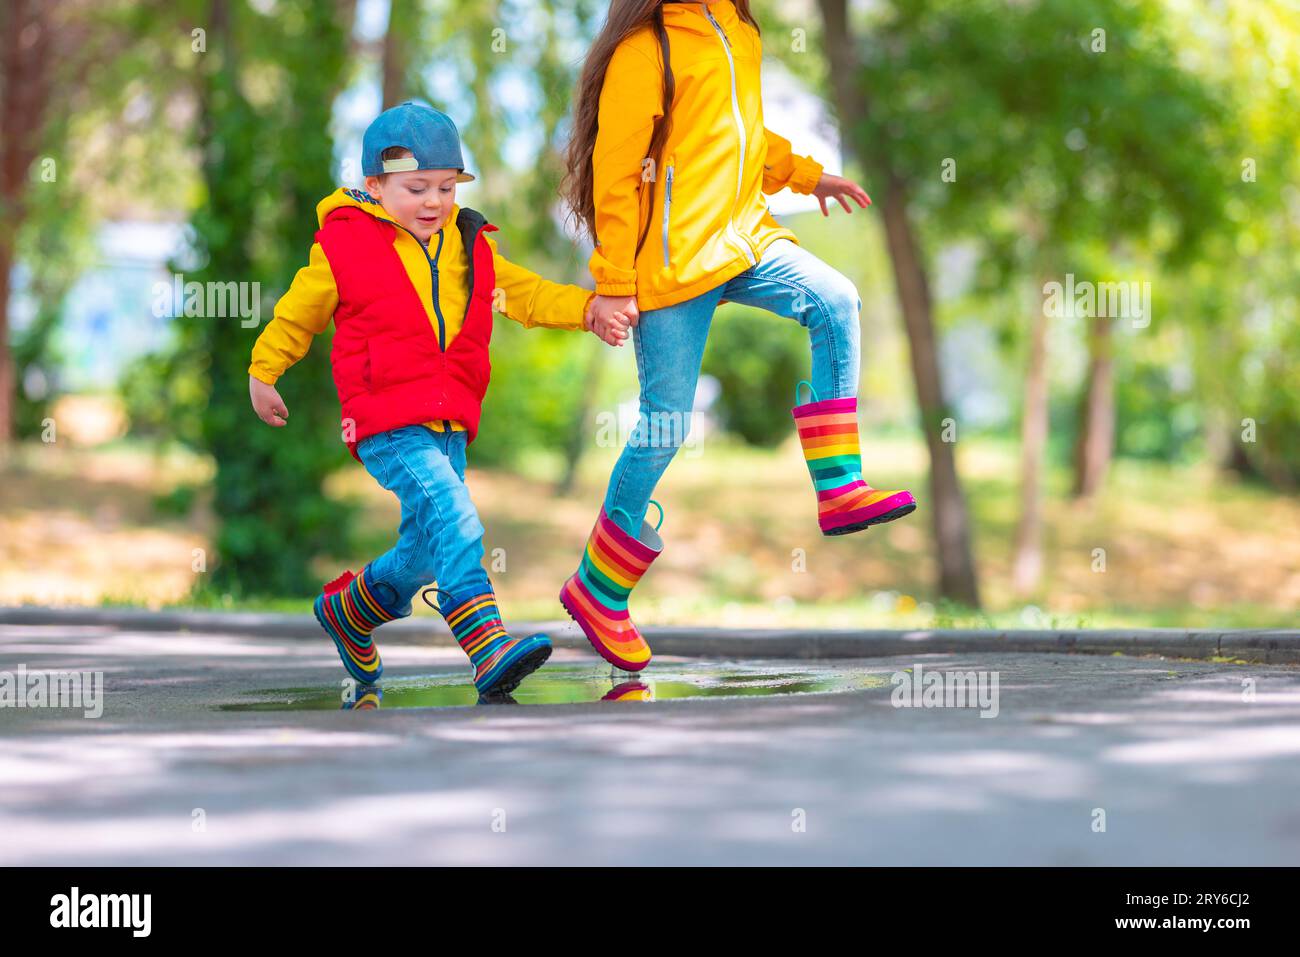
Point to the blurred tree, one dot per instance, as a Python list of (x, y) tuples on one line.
[(405, 27), (1241, 299), (867, 136), (28, 38), (754, 358), (1037, 132), (266, 163)]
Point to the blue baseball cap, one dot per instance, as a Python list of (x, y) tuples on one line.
[(431, 137)]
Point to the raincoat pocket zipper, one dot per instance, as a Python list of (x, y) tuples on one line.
[(668, 205)]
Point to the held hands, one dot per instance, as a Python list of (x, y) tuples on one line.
[(268, 405), (837, 187), (610, 317)]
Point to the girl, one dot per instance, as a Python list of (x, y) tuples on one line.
[(668, 133)]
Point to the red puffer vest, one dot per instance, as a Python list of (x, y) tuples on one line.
[(392, 368)]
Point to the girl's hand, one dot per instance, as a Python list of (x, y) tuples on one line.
[(611, 329), (837, 187), (268, 405), (611, 316)]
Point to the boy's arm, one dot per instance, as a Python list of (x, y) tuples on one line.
[(530, 300), (301, 314), (630, 102), (782, 168)]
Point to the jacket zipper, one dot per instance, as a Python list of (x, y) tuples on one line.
[(668, 205), (740, 129), (437, 306)]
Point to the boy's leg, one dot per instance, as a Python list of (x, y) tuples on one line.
[(792, 282), (445, 543), (440, 536), (669, 348)]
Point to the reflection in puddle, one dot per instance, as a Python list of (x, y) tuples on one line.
[(574, 684)]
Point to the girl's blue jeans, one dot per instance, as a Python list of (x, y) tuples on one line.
[(440, 537), (789, 281)]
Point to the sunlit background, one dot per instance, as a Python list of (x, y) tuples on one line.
[(1072, 468)]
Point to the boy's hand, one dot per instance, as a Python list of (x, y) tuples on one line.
[(268, 405), (837, 187), (610, 317)]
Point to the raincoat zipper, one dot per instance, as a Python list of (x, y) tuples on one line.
[(437, 306), (668, 205), (740, 129)]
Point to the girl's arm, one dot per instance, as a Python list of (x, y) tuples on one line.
[(783, 168), (301, 314), (803, 174), (630, 102)]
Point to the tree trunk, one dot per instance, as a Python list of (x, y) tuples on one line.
[(957, 578), (1096, 438), (402, 17), (7, 385), (947, 505), (25, 62), (582, 421), (1027, 566)]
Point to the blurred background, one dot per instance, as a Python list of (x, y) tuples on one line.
[(1078, 465)]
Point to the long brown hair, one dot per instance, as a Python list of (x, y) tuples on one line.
[(625, 18)]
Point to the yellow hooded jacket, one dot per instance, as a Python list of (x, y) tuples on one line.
[(307, 308), (709, 218)]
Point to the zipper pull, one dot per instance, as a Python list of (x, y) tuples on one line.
[(717, 26)]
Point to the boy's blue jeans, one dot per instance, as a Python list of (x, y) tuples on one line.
[(789, 281), (440, 537)]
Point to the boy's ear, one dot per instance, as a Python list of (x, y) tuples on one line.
[(374, 186)]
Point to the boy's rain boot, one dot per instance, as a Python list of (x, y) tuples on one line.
[(595, 596), (828, 432), (349, 610), (500, 662)]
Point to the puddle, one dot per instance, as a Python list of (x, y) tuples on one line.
[(573, 684)]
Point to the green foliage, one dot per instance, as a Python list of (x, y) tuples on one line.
[(757, 358), (265, 167), (537, 376)]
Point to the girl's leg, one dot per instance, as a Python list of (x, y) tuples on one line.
[(792, 282), (669, 348)]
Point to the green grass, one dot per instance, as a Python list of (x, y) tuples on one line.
[(1185, 547)]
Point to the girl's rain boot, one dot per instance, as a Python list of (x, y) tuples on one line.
[(500, 662), (595, 596), (828, 432), (349, 610)]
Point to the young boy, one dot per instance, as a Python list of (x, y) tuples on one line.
[(412, 303)]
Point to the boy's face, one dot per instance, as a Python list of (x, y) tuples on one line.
[(421, 199)]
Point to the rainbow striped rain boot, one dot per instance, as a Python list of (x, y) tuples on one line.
[(828, 432), (500, 662), (595, 596), (349, 610)]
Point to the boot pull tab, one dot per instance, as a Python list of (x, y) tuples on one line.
[(619, 508), (436, 607), (811, 391), (661, 513)]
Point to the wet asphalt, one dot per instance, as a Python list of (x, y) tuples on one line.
[(216, 748)]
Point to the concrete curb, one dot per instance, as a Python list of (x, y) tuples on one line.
[(1255, 646)]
